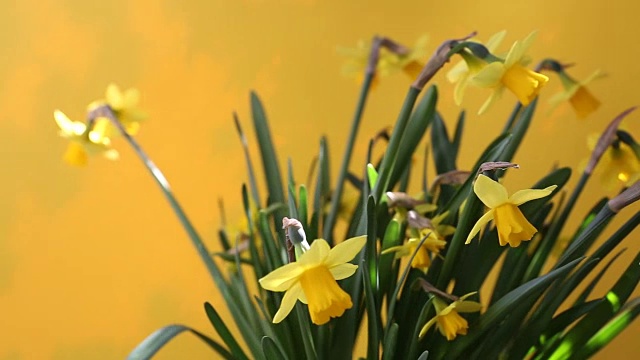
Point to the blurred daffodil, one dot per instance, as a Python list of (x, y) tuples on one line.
[(312, 280), (448, 319), (463, 71), (512, 74), (389, 62), (82, 143), (434, 236), (125, 106), (619, 164), (576, 92), (512, 226)]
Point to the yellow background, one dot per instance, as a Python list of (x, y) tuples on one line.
[(92, 260)]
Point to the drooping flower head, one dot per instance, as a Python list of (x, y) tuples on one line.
[(389, 62), (125, 106), (82, 143), (576, 92), (312, 280), (511, 74), (434, 240), (448, 320), (512, 226), (463, 71), (619, 164)]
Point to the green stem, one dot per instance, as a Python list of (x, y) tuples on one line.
[(160, 179)]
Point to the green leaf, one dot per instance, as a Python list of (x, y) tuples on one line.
[(154, 342), (271, 351), (372, 175), (524, 293), (457, 136), (268, 154), (245, 147), (391, 154), (389, 346), (587, 327), (224, 332), (419, 121), (443, 151), (386, 269), (610, 330), (587, 291)]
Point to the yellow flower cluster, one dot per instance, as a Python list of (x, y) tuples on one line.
[(94, 137)]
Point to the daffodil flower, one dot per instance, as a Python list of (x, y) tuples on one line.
[(125, 106), (388, 62), (312, 280), (82, 144), (580, 98), (512, 74), (434, 242), (512, 226), (619, 164), (448, 319), (462, 72)]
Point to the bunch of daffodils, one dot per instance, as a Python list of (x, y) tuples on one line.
[(403, 273)]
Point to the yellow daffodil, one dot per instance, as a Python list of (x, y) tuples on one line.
[(463, 71), (434, 242), (125, 106), (388, 62), (312, 280), (580, 98), (448, 319), (512, 226), (511, 74), (82, 144), (619, 164)]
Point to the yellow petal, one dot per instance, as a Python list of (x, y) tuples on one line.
[(112, 154), (468, 306), (488, 216), (345, 251), (131, 98), (495, 96), (283, 277), (519, 49), (316, 254), (525, 84), (583, 102), (427, 326), (452, 324), (458, 91), (68, 127), (495, 40), (490, 75), (287, 304), (490, 192), (343, 271), (512, 226), (114, 97), (76, 155), (325, 298), (523, 196), (457, 71)]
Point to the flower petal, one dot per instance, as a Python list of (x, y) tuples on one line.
[(461, 86), (468, 306), (489, 76), (316, 254), (114, 97), (490, 192), (427, 326), (343, 271), (523, 196), (495, 96), (345, 251), (282, 278), (488, 216), (495, 40), (287, 304), (68, 127)]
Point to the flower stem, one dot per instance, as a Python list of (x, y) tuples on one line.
[(160, 179)]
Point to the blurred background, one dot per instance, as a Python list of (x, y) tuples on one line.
[(92, 260)]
